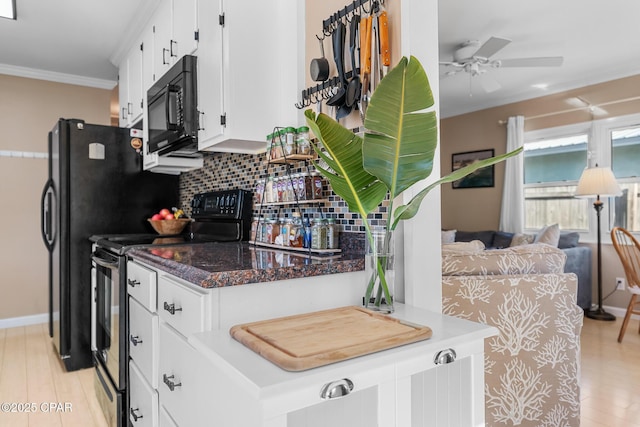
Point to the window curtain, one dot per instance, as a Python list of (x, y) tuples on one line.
[(512, 211)]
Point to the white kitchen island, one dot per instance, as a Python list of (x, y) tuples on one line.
[(403, 386)]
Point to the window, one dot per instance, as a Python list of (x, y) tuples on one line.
[(552, 168), (553, 163), (625, 164)]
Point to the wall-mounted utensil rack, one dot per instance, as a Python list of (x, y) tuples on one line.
[(323, 91)]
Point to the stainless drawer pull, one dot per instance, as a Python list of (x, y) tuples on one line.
[(135, 340), (336, 389), (133, 282), (445, 356), (135, 416), (171, 308), (167, 380)]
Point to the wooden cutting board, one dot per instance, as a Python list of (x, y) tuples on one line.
[(305, 341)]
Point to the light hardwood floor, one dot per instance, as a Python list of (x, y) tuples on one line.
[(31, 373)]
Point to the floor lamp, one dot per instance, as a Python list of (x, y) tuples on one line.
[(596, 182)]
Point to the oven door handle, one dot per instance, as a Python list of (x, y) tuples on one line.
[(103, 262)]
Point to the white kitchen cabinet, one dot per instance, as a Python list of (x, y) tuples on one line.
[(143, 345), (183, 310), (143, 400), (143, 340), (130, 87), (248, 72), (403, 386), (174, 29)]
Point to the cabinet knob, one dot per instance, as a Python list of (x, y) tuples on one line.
[(135, 416), (168, 380), (445, 356), (171, 308), (135, 340), (336, 389), (133, 282)]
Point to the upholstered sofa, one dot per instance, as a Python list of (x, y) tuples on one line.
[(532, 368), (578, 257)]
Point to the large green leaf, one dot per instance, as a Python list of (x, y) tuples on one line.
[(410, 209), (401, 138), (342, 152)]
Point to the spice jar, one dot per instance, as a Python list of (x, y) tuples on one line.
[(296, 232), (303, 144), (269, 191), (289, 141), (332, 235), (316, 182)]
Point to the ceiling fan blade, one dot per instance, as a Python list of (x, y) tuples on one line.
[(577, 102), (543, 61), (491, 47)]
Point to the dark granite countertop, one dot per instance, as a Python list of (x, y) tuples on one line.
[(214, 265)]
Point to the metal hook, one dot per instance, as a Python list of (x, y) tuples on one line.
[(368, 12), (323, 36)]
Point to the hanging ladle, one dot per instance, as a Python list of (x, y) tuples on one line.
[(353, 89), (337, 39)]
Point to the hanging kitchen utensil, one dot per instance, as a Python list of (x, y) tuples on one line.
[(353, 88), (365, 63), (319, 67), (385, 49), (337, 38)]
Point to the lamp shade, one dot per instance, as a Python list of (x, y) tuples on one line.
[(598, 181)]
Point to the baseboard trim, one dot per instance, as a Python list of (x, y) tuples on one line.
[(14, 322), (619, 312)]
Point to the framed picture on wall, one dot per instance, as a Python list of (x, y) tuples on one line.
[(481, 178)]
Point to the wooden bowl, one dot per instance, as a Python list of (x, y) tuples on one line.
[(169, 226)]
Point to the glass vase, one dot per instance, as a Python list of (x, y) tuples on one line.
[(380, 272)]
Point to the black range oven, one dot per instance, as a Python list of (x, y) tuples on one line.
[(217, 216)]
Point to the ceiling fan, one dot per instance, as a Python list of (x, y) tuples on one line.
[(476, 59)]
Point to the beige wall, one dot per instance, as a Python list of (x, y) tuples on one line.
[(28, 110), (479, 209)]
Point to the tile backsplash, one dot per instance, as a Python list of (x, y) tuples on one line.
[(224, 171)]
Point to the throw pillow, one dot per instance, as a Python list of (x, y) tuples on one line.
[(448, 236), (549, 235), (473, 246), (568, 240), (520, 239)]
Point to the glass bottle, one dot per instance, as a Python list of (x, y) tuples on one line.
[(289, 141), (332, 235), (316, 184), (296, 234), (306, 243), (283, 229), (303, 143), (269, 191)]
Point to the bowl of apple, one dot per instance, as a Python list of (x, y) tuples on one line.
[(167, 223)]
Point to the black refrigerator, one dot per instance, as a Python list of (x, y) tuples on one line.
[(96, 185)]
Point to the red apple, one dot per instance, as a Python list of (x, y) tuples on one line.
[(170, 216), (157, 217), (164, 212)]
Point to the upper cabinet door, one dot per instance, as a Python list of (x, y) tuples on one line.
[(185, 26), (161, 29), (210, 101)]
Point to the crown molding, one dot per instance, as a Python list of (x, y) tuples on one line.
[(53, 76)]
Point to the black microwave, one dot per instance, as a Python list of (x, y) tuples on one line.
[(172, 106)]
